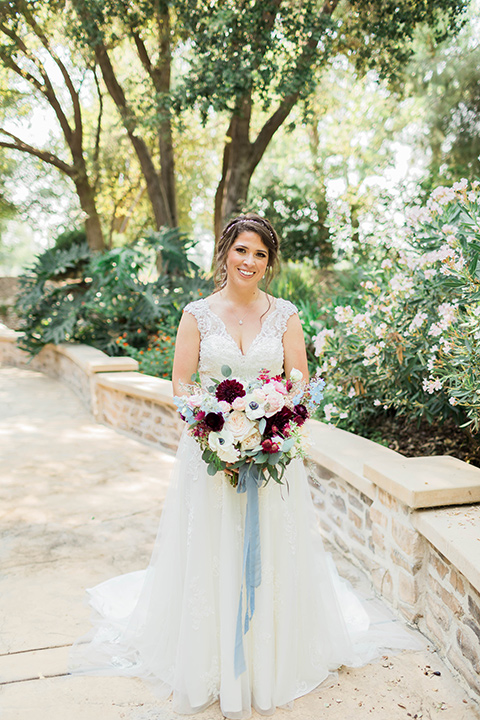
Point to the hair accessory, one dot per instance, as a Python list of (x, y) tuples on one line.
[(258, 221)]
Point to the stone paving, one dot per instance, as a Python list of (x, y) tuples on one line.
[(80, 502)]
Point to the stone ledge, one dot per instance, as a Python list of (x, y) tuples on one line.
[(344, 454), (424, 482), (9, 335), (456, 534), (94, 361), (139, 385)]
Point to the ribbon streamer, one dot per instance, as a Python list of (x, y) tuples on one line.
[(249, 480)]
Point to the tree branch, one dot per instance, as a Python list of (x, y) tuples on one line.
[(46, 89), (77, 114), (44, 155), (270, 128), (283, 110)]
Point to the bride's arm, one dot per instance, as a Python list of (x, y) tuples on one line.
[(295, 355), (187, 348)]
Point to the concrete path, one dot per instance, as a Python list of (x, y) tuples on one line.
[(80, 503)]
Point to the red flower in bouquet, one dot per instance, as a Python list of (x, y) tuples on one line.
[(277, 422), (300, 414), (228, 390), (214, 421), (270, 447)]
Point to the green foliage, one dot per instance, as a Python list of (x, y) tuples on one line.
[(299, 213), (242, 47), (408, 341), (75, 295), (70, 238), (447, 81)]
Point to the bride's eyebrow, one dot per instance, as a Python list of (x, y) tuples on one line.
[(244, 247)]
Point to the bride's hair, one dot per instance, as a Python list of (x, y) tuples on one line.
[(246, 223)]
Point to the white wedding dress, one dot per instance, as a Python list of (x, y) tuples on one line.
[(174, 624)]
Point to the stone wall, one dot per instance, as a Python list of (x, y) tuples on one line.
[(410, 523), (452, 616), (374, 532), (142, 417)]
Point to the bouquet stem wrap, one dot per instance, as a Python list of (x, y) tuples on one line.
[(249, 480)]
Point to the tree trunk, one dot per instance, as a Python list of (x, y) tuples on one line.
[(93, 227), (232, 190), (152, 180), (241, 157), (165, 141)]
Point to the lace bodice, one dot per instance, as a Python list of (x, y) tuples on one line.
[(217, 346)]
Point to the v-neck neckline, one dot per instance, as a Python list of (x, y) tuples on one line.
[(229, 334)]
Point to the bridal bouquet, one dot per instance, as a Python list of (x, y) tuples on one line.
[(255, 423), (251, 429)]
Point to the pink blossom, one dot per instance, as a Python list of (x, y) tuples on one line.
[(240, 403), (460, 185), (443, 195), (320, 340)]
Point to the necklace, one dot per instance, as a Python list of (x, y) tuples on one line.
[(240, 320)]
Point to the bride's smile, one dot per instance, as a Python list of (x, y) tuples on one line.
[(247, 258)]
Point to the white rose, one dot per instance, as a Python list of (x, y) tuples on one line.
[(252, 441), (296, 375), (239, 425), (228, 454)]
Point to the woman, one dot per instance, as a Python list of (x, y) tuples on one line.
[(181, 632)]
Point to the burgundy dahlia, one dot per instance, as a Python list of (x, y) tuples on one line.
[(214, 421), (301, 414), (277, 422), (228, 390)]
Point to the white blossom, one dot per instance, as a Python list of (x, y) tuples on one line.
[(417, 321), (320, 340), (417, 215), (443, 195), (343, 314), (431, 384), (460, 185)]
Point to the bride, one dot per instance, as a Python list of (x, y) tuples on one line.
[(174, 624)]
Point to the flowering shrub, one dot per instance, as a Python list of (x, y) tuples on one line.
[(157, 358), (409, 341)]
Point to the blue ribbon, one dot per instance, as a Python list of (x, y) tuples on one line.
[(249, 480)]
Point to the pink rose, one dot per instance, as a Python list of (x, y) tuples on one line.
[(273, 403), (239, 403), (278, 386), (224, 406), (194, 401)]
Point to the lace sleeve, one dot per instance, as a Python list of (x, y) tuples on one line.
[(285, 310), (199, 308)]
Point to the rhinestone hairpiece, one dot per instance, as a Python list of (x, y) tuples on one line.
[(252, 220)]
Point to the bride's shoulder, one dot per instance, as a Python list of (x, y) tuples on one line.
[(196, 307), (285, 307)]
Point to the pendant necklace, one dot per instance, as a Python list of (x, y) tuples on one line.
[(240, 321)]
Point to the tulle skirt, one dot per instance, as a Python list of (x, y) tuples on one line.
[(174, 623)]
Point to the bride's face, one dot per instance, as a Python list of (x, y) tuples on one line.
[(247, 260)]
